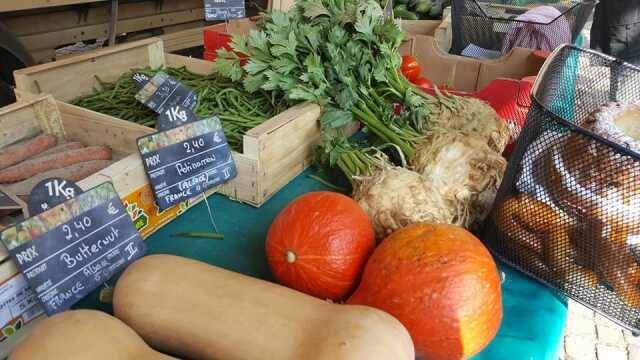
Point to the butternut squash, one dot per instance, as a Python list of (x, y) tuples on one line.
[(199, 311), (82, 335)]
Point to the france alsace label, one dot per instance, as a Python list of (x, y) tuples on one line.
[(186, 161), (224, 9), (161, 92), (72, 248)]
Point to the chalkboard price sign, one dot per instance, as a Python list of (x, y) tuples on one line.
[(186, 161), (175, 116), (7, 202), (71, 249), (162, 92), (51, 192), (224, 9)]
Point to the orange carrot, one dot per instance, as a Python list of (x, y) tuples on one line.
[(60, 148), (29, 168), (75, 172), (25, 149)]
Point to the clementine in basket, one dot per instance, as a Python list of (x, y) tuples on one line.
[(319, 244), (441, 283)]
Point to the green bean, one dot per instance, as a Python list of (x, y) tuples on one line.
[(239, 110)]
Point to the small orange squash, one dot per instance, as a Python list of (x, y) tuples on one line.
[(319, 244), (441, 283)]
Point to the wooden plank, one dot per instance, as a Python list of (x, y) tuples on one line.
[(35, 4), (89, 32), (197, 66), (183, 39), (108, 63), (65, 18), (100, 129), (26, 119), (44, 55)]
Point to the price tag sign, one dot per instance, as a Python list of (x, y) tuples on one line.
[(72, 248), (175, 116), (8, 202), (162, 92), (51, 192), (186, 161), (224, 9)]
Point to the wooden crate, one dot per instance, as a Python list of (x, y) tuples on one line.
[(273, 153), (40, 114)]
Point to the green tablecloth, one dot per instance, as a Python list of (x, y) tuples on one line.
[(533, 316)]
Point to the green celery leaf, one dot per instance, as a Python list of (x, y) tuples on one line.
[(239, 44), (284, 65), (226, 54), (334, 118), (313, 9), (228, 68), (300, 93), (346, 98), (258, 40), (255, 66), (253, 83), (273, 82), (280, 18)]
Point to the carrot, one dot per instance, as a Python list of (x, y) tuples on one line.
[(25, 149), (60, 148), (75, 172), (29, 168)]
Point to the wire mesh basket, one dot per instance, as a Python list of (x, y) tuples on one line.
[(488, 29), (568, 210)]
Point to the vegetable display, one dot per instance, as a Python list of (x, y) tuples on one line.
[(344, 56), (198, 311), (319, 244), (238, 110), (441, 283), (82, 335)]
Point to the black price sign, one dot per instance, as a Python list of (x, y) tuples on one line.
[(8, 202), (175, 116), (162, 92), (186, 161), (223, 9), (71, 249), (51, 192)]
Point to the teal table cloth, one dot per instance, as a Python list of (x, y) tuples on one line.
[(533, 319)]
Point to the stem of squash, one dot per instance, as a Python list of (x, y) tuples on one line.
[(291, 257)]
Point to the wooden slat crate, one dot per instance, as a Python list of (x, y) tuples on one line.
[(273, 153), (38, 115)]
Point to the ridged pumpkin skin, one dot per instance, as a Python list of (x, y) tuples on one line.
[(319, 244), (441, 283)]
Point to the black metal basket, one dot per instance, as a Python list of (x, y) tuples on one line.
[(491, 28), (567, 212)]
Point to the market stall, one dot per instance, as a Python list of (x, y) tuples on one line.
[(526, 331), (374, 196)]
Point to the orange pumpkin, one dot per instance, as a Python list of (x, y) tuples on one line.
[(319, 244), (441, 283)]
